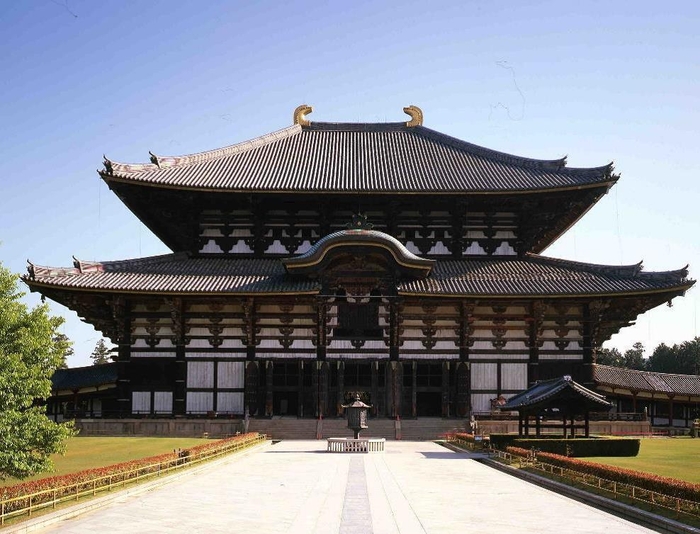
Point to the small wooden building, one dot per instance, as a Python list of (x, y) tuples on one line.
[(330, 258), (559, 399), (666, 399)]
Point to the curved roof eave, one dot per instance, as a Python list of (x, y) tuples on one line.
[(275, 164)]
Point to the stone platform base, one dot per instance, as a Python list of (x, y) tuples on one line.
[(356, 445)]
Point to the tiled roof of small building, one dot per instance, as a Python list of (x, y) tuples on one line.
[(646, 380), (549, 390), (84, 377), (531, 275), (357, 157)]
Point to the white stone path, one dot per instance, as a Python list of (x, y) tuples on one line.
[(296, 487)]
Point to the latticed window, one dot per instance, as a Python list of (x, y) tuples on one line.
[(358, 375), (358, 321), (285, 374), (429, 375)]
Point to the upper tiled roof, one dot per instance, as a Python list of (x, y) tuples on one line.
[(350, 157), (605, 375), (84, 377), (549, 390), (528, 276)]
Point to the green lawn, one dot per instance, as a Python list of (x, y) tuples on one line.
[(87, 452), (670, 457)]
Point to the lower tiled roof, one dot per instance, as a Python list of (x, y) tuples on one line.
[(530, 275), (84, 377), (537, 275), (647, 381)]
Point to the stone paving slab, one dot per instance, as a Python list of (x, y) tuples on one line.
[(296, 487)]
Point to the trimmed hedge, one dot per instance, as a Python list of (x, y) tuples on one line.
[(56, 487), (664, 485), (576, 447)]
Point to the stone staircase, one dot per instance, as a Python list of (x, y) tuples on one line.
[(423, 429)]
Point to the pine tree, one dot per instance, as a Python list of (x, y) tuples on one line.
[(100, 353), (29, 355), (67, 349)]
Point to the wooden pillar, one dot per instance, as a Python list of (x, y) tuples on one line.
[(463, 389), (414, 404), (323, 388), (75, 403), (269, 369), (394, 322), (587, 421), (300, 388), (573, 427), (588, 349), (180, 389), (538, 425), (395, 375), (315, 387), (527, 423), (340, 396), (445, 389), (215, 382), (321, 334), (249, 326), (670, 411), (252, 381), (537, 310), (374, 370), (124, 363)]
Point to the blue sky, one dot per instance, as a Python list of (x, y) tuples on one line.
[(597, 81)]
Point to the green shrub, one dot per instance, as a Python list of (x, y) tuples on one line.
[(664, 485), (501, 441), (582, 447)]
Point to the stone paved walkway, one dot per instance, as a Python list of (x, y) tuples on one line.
[(296, 487)]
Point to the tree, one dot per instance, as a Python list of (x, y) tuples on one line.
[(680, 359), (100, 353), (634, 357), (689, 357), (609, 357), (67, 349), (29, 355)]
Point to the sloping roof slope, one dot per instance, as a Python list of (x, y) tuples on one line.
[(84, 377), (548, 390), (531, 275), (357, 157), (646, 380)]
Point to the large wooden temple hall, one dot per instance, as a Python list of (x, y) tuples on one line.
[(326, 259)]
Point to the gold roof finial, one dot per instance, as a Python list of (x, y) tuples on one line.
[(300, 115), (416, 116)]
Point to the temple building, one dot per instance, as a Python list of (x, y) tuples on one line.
[(326, 259)]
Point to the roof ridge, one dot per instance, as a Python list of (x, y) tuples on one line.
[(644, 372), (503, 157), (358, 126), (557, 164), (147, 260), (160, 162), (629, 270)]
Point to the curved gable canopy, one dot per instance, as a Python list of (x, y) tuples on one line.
[(348, 245)]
